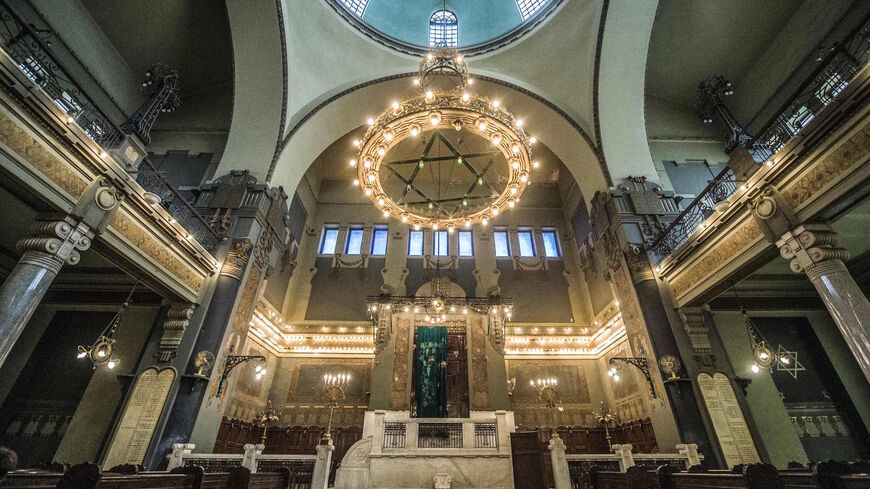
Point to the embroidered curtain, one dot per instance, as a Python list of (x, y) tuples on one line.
[(431, 385)]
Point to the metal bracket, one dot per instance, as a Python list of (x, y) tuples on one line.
[(232, 362), (643, 365)]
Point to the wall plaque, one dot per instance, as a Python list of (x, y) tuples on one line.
[(140, 416), (727, 418)]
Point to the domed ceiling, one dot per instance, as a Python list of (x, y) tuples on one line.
[(404, 24)]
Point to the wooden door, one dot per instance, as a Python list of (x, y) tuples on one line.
[(528, 461), (457, 375)]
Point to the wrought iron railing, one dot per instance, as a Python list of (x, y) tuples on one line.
[(394, 435), (30, 48), (821, 87), (154, 181), (485, 435), (439, 435)]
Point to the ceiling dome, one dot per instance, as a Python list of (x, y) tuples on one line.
[(413, 26)]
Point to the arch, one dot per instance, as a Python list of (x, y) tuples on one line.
[(346, 111)]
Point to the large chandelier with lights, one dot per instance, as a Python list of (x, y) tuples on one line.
[(487, 147)]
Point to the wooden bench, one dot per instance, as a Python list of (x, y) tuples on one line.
[(90, 476)]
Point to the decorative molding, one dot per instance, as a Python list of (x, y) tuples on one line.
[(177, 319), (55, 243), (812, 248), (695, 327), (237, 259)]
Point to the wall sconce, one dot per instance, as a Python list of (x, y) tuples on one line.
[(640, 362), (233, 361)]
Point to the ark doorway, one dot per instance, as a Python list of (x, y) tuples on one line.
[(442, 375)]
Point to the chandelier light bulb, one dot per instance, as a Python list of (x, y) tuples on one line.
[(536, 164), (784, 360), (368, 191), (352, 162), (112, 363), (356, 142), (459, 58), (386, 213), (389, 135), (370, 122), (495, 211), (484, 221), (429, 56), (435, 226), (468, 223), (434, 118), (515, 163), (513, 190), (372, 178), (533, 140), (416, 309), (496, 103), (471, 81), (466, 97), (406, 309), (367, 162), (524, 178), (356, 182), (515, 148), (457, 124), (380, 201), (416, 227), (415, 130), (511, 203), (404, 218), (519, 123), (382, 151), (396, 105), (416, 81), (450, 228), (481, 123), (496, 139), (429, 95), (755, 368), (464, 310)]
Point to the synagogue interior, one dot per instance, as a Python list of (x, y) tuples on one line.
[(407, 244)]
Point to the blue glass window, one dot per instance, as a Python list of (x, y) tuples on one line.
[(502, 247), (327, 242), (551, 243), (356, 6), (466, 244), (439, 246), (529, 7), (379, 241), (443, 29), (354, 241), (415, 243), (527, 242)]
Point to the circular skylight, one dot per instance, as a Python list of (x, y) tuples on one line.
[(414, 26)]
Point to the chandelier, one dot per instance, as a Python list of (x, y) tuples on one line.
[(480, 151)]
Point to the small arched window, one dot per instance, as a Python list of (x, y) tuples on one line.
[(443, 29), (356, 6), (529, 7)]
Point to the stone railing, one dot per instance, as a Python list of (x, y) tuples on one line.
[(311, 470), (821, 88), (48, 88), (398, 433), (573, 470)]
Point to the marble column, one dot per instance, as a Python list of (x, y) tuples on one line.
[(812, 249), (52, 244)]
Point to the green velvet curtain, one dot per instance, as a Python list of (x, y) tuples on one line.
[(431, 358)]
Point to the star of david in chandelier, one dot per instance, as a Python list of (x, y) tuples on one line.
[(788, 362), (445, 157)]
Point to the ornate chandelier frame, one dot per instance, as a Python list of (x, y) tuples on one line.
[(454, 108)]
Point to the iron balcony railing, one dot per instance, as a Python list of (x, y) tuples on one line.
[(439, 435), (821, 87), (30, 49)]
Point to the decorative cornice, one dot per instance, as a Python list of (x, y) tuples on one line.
[(279, 142), (595, 106)]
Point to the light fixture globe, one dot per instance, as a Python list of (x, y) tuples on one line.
[(434, 111)]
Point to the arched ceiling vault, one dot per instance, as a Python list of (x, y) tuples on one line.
[(336, 76)]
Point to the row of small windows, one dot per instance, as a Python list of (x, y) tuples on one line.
[(329, 241), (441, 242), (356, 6)]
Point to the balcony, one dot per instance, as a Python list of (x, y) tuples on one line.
[(828, 78), (45, 87)]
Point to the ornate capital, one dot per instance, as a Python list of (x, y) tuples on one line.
[(237, 259), (812, 248), (695, 327), (177, 319), (638, 265), (54, 243)]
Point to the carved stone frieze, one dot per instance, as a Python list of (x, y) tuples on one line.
[(812, 248), (237, 259), (177, 318), (383, 329), (638, 264)]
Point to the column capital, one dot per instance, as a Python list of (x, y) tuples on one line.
[(695, 327), (813, 248), (55, 243), (237, 258)]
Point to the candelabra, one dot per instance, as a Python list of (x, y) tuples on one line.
[(550, 396), (333, 391), (605, 416), (263, 419), (101, 352)]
